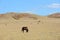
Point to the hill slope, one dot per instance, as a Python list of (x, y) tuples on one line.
[(42, 28), (55, 15)]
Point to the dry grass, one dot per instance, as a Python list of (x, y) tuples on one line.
[(42, 29)]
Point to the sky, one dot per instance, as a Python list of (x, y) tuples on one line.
[(39, 7)]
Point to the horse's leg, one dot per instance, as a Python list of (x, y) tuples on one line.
[(22, 30), (27, 30)]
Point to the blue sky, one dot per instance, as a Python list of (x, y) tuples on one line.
[(40, 7)]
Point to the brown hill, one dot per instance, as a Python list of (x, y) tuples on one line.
[(24, 15), (55, 15), (18, 15)]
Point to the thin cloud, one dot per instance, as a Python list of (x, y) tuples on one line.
[(54, 5)]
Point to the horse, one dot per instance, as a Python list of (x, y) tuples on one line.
[(24, 29)]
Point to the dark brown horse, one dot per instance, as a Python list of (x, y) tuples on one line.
[(24, 29)]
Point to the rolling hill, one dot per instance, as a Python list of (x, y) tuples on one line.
[(40, 27), (55, 15)]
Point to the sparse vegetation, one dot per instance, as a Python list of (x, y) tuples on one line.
[(45, 28)]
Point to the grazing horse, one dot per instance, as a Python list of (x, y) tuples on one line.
[(24, 29), (38, 22)]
